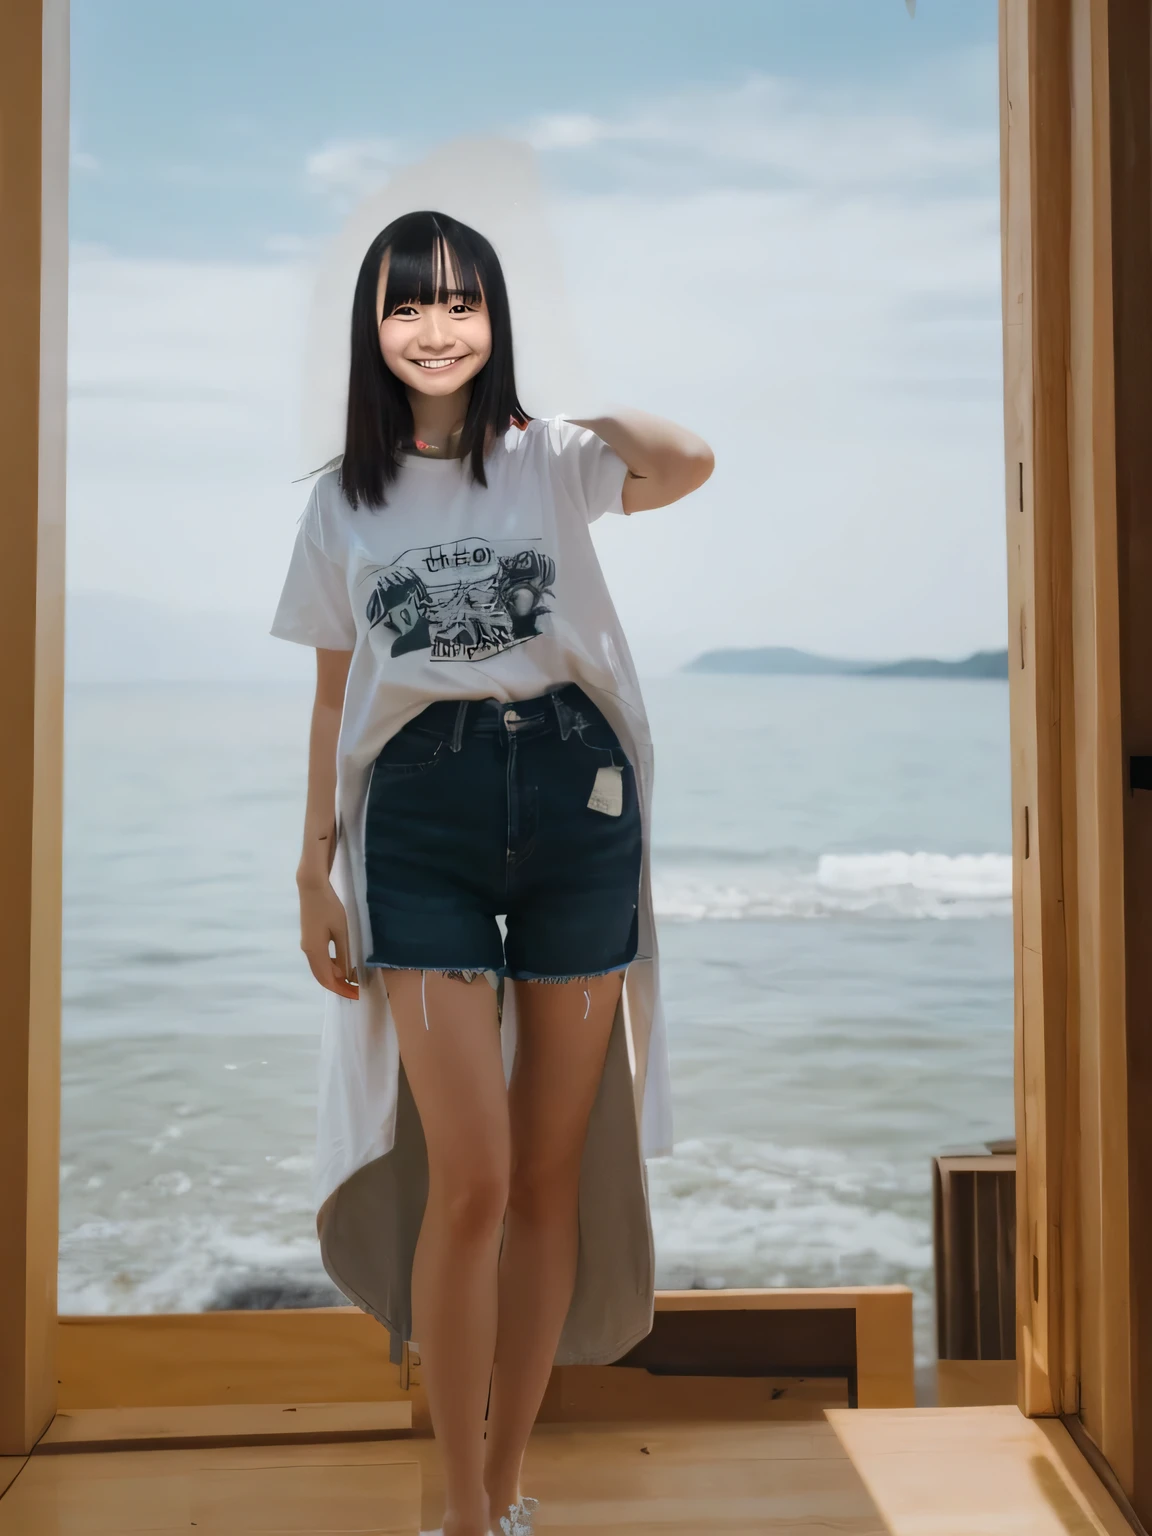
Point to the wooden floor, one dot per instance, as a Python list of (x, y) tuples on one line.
[(878, 1472)]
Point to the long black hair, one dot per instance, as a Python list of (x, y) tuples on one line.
[(431, 256)]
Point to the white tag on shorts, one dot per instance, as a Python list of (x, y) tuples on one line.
[(607, 792)]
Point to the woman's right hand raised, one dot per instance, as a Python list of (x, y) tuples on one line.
[(324, 927)]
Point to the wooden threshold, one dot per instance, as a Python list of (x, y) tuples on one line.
[(88, 1430), (340, 1355)]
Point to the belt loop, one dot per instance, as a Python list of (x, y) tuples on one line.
[(458, 730), (563, 716)]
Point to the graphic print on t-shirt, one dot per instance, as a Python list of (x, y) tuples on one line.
[(462, 601)]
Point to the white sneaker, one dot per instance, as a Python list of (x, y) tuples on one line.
[(518, 1520)]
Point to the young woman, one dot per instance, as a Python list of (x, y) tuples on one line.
[(479, 751)]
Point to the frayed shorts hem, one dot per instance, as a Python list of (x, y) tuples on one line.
[(492, 974), (558, 981), (495, 974)]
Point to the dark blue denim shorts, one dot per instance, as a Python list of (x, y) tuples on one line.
[(478, 809)]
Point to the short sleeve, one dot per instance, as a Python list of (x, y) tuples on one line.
[(314, 607), (591, 472)]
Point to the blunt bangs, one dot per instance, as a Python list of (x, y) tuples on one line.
[(430, 271), (432, 259)]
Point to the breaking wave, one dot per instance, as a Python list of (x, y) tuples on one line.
[(881, 885)]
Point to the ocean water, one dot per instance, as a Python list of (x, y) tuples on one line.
[(833, 889)]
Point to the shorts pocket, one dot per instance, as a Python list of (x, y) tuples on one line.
[(410, 752), (599, 740)]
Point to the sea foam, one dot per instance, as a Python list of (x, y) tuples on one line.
[(726, 1210), (884, 885)]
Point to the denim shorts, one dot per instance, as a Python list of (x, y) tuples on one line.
[(478, 809)]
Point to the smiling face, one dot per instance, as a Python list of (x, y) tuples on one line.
[(434, 348)]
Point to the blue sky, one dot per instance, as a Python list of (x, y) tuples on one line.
[(199, 118), (807, 192)]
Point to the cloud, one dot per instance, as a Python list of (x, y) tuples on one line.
[(347, 168), (775, 132), (183, 378), (566, 130), (811, 278), (82, 161), (831, 326), (843, 358), (290, 245), (87, 250)]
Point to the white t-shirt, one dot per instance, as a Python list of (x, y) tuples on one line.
[(453, 590)]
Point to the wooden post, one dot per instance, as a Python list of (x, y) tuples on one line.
[(1035, 154), (33, 375), (1077, 396), (1130, 65), (1100, 1297)]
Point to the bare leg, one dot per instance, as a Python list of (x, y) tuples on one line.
[(455, 1071), (562, 1039)]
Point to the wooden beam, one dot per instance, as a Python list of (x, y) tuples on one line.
[(785, 1298), (340, 1354), (1035, 192), (1078, 391), (1130, 67), (322, 1355), (1101, 1311), (33, 373), (885, 1365)]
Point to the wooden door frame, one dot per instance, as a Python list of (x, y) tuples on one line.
[(33, 399), (1074, 81), (1067, 746), (1129, 43)]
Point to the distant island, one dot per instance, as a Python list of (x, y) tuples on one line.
[(784, 661)]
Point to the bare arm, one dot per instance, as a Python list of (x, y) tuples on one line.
[(664, 461), (323, 921)]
